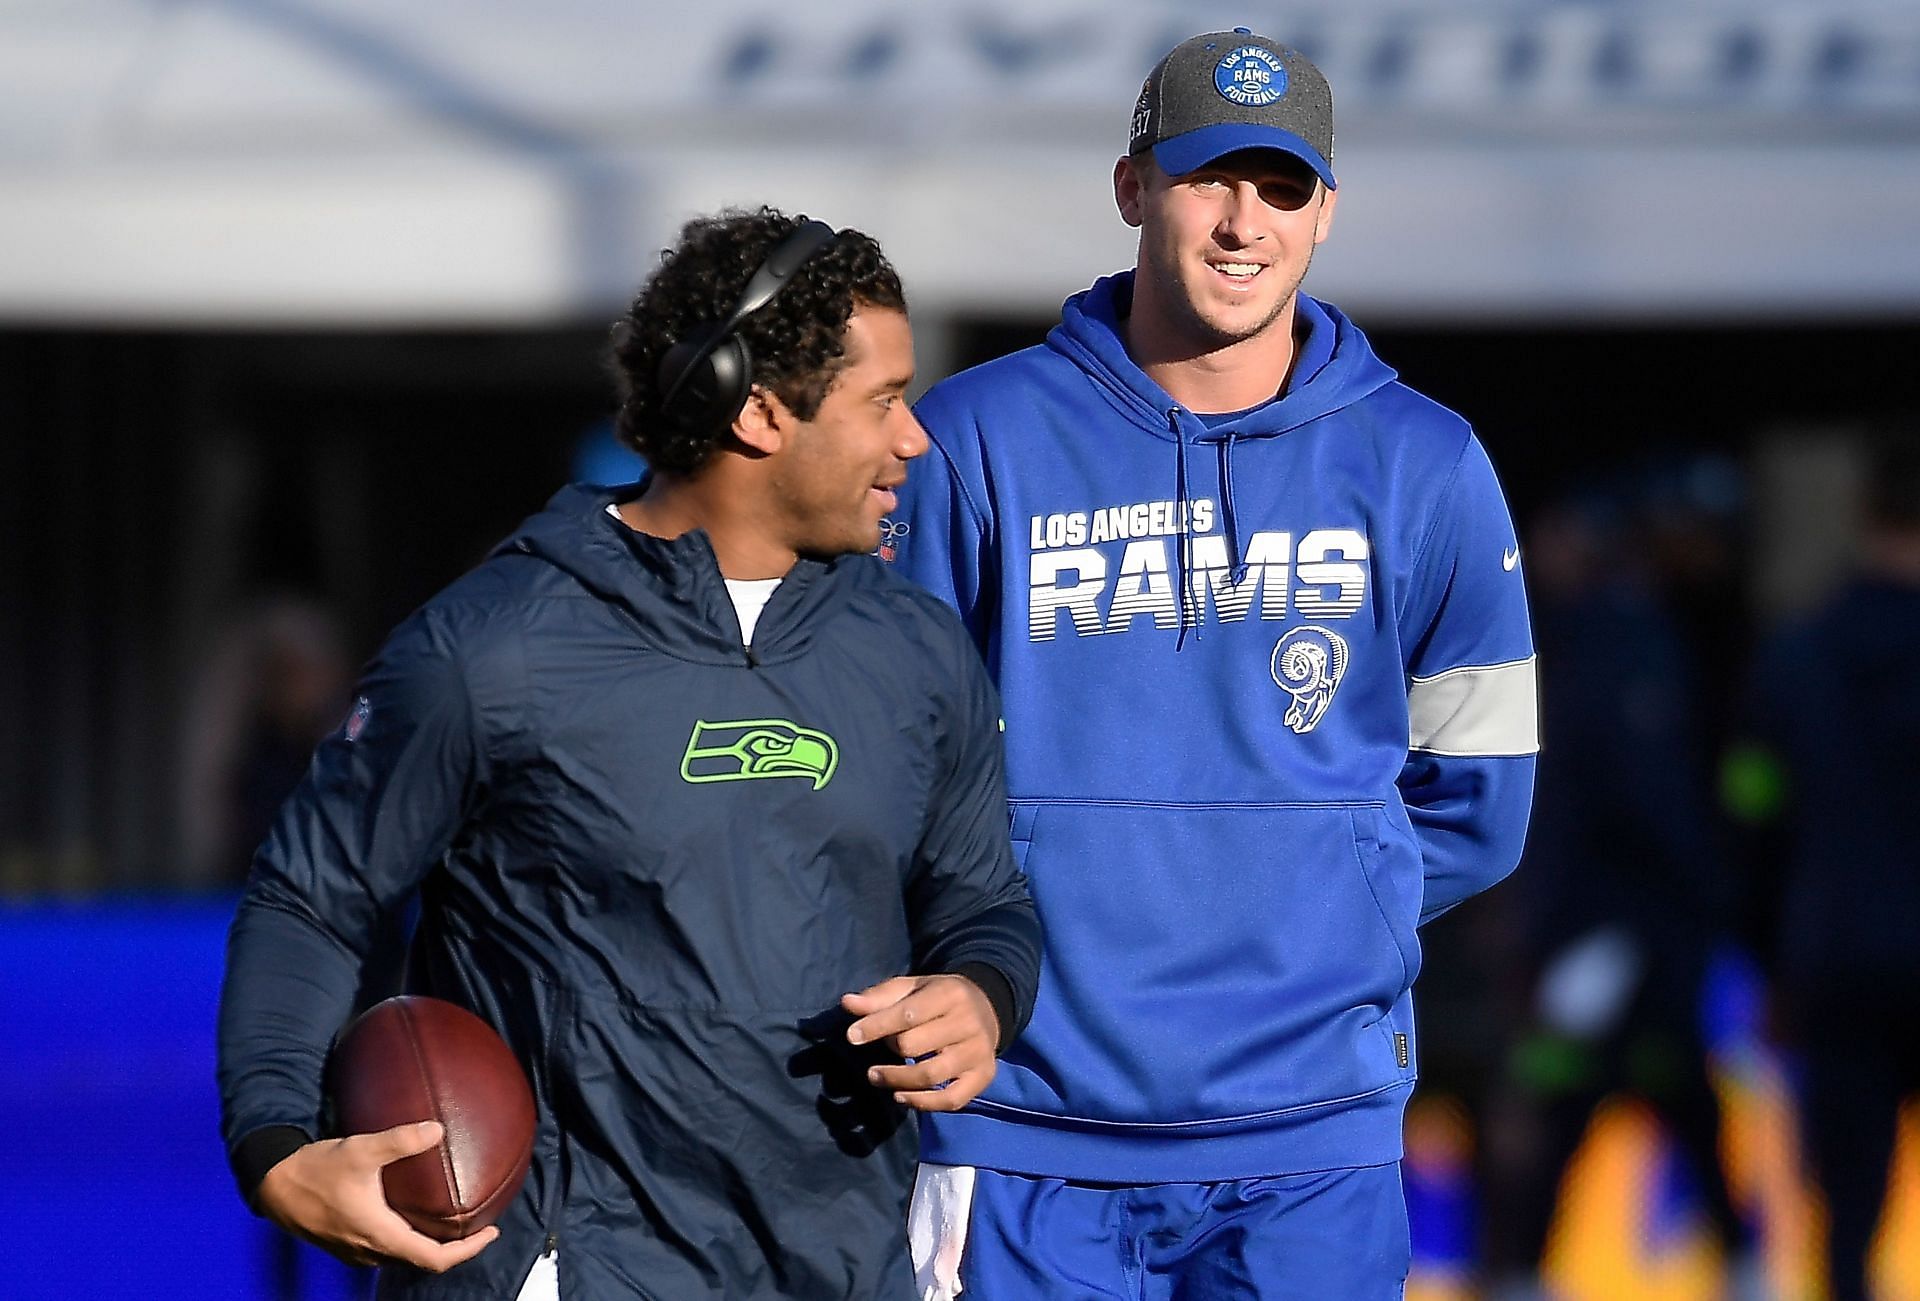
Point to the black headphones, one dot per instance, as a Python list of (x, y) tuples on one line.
[(705, 379)]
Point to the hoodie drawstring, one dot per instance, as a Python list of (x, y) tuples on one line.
[(1181, 549), (1232, 521)]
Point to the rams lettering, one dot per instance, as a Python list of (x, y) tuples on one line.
[(1324, 577)]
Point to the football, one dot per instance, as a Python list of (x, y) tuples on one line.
[(414, 1058)]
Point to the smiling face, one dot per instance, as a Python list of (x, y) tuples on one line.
[(834, 479), (1222, 248)]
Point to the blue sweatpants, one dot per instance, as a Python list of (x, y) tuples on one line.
[(1337, 1235)]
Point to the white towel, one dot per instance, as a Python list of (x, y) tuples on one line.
[(937, 1228)]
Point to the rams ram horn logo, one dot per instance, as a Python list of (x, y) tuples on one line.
[(757, 748), (1308, 664)]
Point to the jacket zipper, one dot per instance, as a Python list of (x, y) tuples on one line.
[(555, 1200)]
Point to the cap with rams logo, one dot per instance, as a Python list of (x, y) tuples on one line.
[(1234, 90)]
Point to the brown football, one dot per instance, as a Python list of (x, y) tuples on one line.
[(414, 1058)]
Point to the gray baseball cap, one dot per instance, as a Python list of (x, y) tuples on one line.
[(1233, 90)]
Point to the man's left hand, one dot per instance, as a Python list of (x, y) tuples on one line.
[(943, 1024)]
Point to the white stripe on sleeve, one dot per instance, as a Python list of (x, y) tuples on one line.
[(1476, 711)]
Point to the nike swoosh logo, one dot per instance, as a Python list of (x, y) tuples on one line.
[(1508, 559)]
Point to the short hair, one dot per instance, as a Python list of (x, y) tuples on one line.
[(797, 341)]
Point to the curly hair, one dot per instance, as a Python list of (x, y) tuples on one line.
[(796, 340)]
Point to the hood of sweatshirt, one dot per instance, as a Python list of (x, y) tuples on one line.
[(673, 586), (1334, 368)]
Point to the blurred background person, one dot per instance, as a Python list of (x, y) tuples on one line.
[(1833, 713), (1621, 890), (274, 685)]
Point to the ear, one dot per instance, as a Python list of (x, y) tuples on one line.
[(765, 423), (1129, 192), (1324, 222)]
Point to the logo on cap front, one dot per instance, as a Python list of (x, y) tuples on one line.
[(1252, 76)]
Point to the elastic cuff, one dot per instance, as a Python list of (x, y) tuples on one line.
[(999, 992), (260, 1152)]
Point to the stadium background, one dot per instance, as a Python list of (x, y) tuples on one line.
[(300, 305)]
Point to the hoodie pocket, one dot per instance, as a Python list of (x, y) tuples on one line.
[(1022, 819), (1211, 963), (1390, 865)]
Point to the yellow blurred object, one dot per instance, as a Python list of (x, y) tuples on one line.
[(1602, 1245), (1760, 1149), (1896, 1247), (1599, 1247)]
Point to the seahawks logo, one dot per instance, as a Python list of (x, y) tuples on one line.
[(758, 747)]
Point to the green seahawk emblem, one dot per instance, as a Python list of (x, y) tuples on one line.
[(758, 747)]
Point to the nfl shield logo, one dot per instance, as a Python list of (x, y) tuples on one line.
[(891, 533), (357, 720)]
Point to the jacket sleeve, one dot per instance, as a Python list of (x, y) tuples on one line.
[(1472, 703), (943, 536), (381, 802), (967, 900)]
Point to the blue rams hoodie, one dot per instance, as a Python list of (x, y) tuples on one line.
[(1232, 822)]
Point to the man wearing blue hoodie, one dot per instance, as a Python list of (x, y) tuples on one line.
[(1256, 612), (704, 811)]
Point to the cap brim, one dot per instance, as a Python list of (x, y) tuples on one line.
[(1195, 149)]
